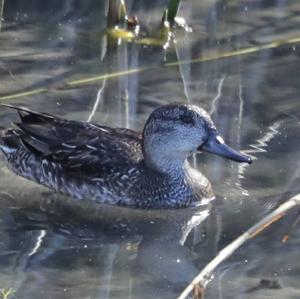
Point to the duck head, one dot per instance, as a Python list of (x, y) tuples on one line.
[(175, 131)]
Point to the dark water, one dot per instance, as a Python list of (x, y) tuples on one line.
[(51, 247)]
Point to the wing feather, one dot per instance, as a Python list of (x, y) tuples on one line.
[(78, 147)]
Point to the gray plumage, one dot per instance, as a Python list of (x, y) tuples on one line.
[(113, 165)]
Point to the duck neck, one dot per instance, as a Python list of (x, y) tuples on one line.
[(167, 162)]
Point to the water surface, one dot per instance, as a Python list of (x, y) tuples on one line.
[(51, 247)]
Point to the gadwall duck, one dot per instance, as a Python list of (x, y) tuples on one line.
[(115, 165)]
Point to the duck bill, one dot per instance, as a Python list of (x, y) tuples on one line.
[(215, 144)]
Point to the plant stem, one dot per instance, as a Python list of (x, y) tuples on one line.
[(172, 10), (1, 11), (112, 14), (117, 12), (197, 286)]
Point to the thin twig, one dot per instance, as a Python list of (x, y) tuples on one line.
[(202, 279)]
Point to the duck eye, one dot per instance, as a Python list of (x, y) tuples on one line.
[(187, 119)]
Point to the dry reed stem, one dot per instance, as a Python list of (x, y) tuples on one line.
[(203, 278)]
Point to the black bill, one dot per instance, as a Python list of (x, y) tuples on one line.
[(215, 144)]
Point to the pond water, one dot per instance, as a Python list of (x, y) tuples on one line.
[(52, 247)]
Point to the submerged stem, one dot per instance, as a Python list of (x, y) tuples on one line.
[(173, 7), (1, 12), (117, 13)]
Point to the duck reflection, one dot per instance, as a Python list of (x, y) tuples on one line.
[(52, 243)]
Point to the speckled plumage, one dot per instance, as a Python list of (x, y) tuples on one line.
[(113, 165)]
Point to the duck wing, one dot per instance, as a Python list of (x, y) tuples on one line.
[(75, 146)]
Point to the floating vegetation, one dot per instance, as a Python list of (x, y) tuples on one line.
[(161, 36), (121, 33), (127, 28), (119, 24)]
